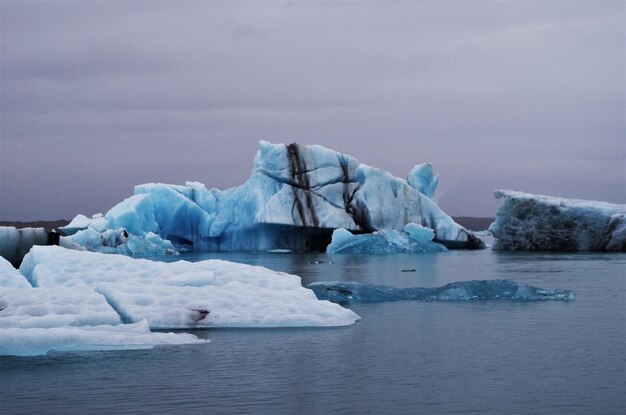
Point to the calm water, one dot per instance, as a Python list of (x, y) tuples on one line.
[(410, 357)]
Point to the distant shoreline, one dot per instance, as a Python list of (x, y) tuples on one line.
[(469, 222)]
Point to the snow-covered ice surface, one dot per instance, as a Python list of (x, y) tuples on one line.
[(533, 222), (296, 196), (54, 307), (10, 277), (353, 292), (77, 300), (38, 341), (414, 239), (182, 294), (39, 320)]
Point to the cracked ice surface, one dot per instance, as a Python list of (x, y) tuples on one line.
[(293, 190)]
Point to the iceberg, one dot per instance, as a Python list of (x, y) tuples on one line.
[(534, 222), (184, 295), (10, 277), (54, 307), (119, 241), (414, 239), (353, 292), (295, 198), (39, 341), (36, 321)]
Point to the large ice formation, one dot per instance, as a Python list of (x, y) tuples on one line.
[(181, 294), (64, 300), (414, 239), (354, 292), (39, 320), (532, 222), (296, 196)]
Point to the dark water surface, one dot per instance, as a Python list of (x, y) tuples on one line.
[(407, 357)]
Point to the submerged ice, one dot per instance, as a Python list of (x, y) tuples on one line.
[(533, 222), (354, 292), (294, 199)]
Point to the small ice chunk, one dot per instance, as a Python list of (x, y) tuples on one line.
[(414, 239)]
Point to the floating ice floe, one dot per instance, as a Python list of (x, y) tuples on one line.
[(39, 341), (296, 196), (76, 300), (182, 294), (36, 321), (414, 239), (353, 292), (533, 222)]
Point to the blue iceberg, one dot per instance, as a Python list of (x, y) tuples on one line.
[(529, 222), (414, 239), (295, 198), (354, 292)]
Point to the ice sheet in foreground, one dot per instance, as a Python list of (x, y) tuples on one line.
[(533, 222), (39, 341), (296, 196), (54, 307), (354, 292), (182, 294), (414, 239)]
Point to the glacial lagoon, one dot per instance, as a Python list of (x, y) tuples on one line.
[(401, 357)]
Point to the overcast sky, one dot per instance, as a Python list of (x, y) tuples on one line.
[(97, 97)]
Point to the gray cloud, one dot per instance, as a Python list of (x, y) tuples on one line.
[(99, 96)]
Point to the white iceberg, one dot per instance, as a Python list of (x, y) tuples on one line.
[(10, 277), (36, 321), (534, 222), (54, 307), (39, 341), (182, 294), (296, 196), (414, 239)]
